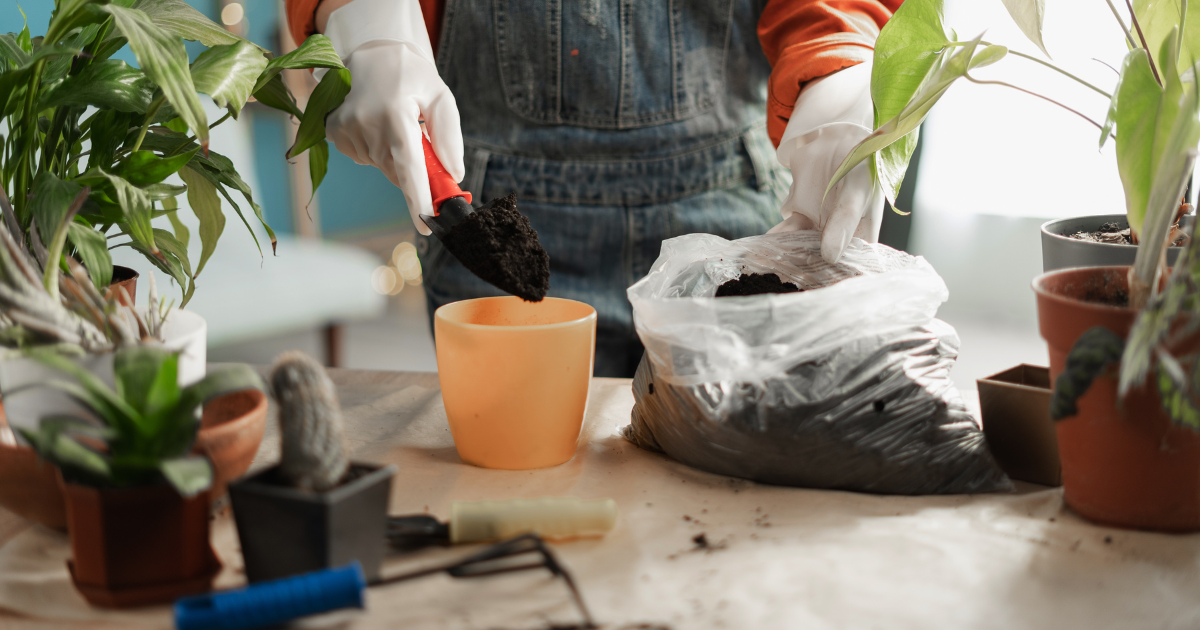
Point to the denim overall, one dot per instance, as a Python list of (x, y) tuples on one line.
[(619, 123)]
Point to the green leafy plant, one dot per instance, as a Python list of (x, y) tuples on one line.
[(91, 139), (1154, 115), (143, 429)]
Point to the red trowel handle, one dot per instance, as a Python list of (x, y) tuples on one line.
[(441, 182)]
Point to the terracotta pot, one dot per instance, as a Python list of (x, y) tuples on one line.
[(1125, 465), (137, 546), (123, 277), (230, 433), (29, 486)]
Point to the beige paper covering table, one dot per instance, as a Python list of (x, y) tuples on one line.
[(777, 557)]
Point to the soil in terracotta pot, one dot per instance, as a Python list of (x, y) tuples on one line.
[(497, 244), (756, 284)]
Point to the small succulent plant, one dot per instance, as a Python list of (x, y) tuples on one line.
[(310, 421)]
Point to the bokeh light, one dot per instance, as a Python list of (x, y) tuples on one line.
[(233, 14)]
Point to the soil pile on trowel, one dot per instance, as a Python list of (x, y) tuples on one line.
[(756, 284), (496, 243)]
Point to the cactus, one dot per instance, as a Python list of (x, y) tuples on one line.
[(310, 422)]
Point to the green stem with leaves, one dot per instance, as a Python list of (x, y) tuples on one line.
[(1142, 38), (1048, 65)]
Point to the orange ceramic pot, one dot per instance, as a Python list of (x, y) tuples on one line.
[(123, 277), (515, 378), (1122, 464), (29, 486), (230, 433)]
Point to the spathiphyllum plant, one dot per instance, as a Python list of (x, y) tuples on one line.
[(87, 141), (1154, 119)]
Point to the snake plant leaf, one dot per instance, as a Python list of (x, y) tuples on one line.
[(1159, 17), (180, 19), (108, 84), (92, 248), (1029, 16), (907, 48), (143, 168), (1095, 351), (147, 378), (50, 202), (90, 391), (219, 381), (315, 52), (228, 73), (275, 94), (318, 165), (202, 197), (51, 441), (951, 65), (189, 475), (327, 96), (163, 58)]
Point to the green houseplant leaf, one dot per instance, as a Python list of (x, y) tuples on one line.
[(228, 73), (92, 249), (315, 52), (202, 197), (327, 96), (108, 84), (951, 65), (906, 50), (180, 19), (163, 59), (1158, 18), (189, 475), (142, 168), (1029, 15), (1095, 351)]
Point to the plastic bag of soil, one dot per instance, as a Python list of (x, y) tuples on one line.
[(845, 384)]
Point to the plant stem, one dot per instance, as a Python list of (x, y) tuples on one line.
[(1124, 29), (50, 274), (1142, 37), (1031, 93), (1058, 70), (154, 107)]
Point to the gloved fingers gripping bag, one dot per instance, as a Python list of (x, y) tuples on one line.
[(845, 385)]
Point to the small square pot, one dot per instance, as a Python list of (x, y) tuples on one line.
[(285, 531), (1015, 406)]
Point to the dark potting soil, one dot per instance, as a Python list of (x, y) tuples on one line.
[(756, 284), (1111, 232), (497, 244)]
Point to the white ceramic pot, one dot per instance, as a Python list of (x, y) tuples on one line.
[(25, 404), (187, 332)]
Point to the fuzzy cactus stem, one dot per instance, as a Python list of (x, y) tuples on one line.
[(310, 422)]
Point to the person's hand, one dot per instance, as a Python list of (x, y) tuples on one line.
[(832, 115), (395, 86)]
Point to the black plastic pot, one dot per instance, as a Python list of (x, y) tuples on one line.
[(285, 531), (1061, 252)]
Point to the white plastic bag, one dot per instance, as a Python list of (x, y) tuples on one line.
[(844, 385)]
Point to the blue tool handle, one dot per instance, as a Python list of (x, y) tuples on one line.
[(275, 602)]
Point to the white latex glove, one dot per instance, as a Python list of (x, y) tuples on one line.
[(396, 86), (832, 115)]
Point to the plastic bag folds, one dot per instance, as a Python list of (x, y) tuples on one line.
[(845, 385)]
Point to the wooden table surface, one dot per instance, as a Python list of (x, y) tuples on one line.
[(776, 557)]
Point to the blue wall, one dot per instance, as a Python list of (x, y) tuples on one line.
[(353, 199)]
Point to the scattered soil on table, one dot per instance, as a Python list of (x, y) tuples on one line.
[(497, 244), (756, 284)]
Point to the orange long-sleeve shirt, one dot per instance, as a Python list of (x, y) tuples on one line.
[(803, 40)]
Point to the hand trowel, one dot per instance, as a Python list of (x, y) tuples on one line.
[(482, 521), (495, 241)]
